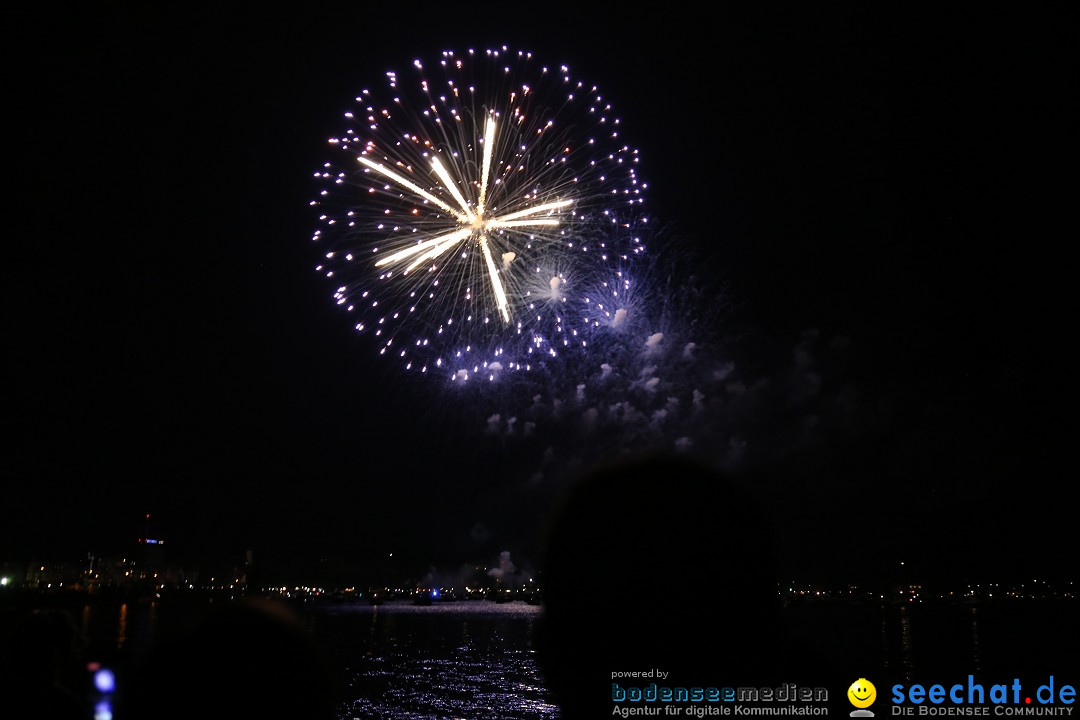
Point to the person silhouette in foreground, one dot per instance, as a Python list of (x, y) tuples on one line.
[(658, 564), (41, 669), (249, 659)]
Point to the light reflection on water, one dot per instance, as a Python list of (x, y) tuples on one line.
[(907, 649), (461, 660), (475, 660), (121, 632), (975, 640)]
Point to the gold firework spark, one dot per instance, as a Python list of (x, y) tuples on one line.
[(471, 225)]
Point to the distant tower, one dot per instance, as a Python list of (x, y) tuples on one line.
[(149, 553)]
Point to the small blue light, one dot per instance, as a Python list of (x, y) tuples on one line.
[(434, 593), (105, 680), (103, 711)]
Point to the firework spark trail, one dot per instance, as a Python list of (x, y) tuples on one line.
[(405, 183), (452, 187), (489, 144), (439, 240), (485, 201), (496, 284)]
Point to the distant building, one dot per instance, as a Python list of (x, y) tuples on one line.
[(54, 575)]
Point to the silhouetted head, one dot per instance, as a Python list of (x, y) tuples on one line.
[(658, 563), (247, 659), (41, 672)]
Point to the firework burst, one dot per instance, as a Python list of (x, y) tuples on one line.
[(472, 209)]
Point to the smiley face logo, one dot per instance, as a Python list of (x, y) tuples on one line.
[(862, 693)]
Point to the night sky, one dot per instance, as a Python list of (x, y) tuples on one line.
[(900, 181)]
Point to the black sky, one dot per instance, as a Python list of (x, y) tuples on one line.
[(899, 179)]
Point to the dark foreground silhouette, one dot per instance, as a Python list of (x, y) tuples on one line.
[(664, 565), (40, 668)]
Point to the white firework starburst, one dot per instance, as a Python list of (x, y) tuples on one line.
[(470, 203)]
